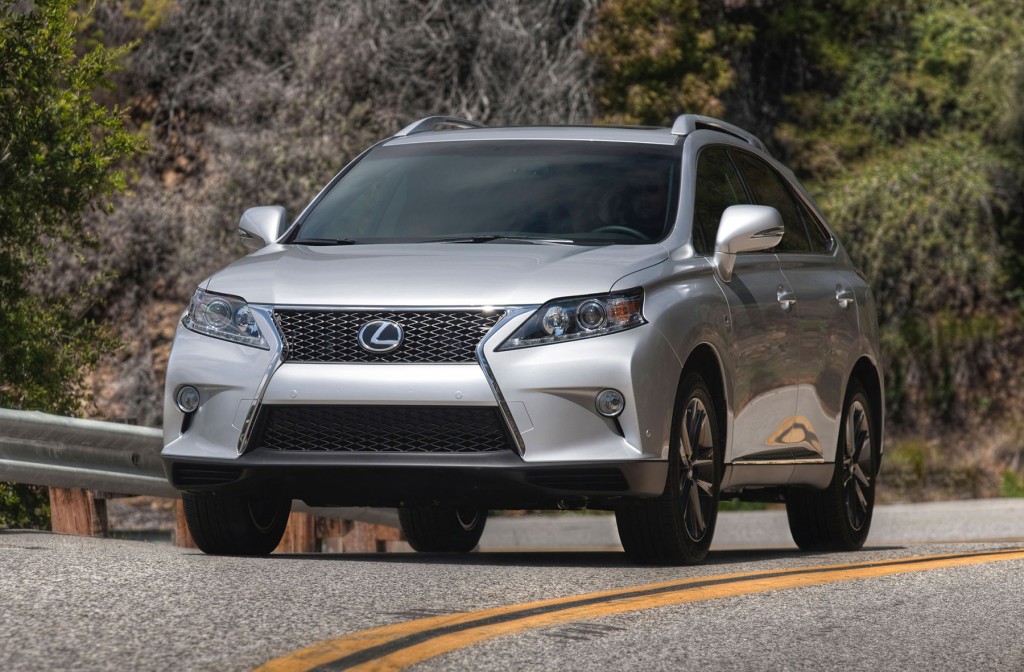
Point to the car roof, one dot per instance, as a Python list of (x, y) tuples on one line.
[(649, 136), (424, 131)]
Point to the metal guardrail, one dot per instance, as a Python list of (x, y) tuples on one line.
[(43, 449), (51, 450)]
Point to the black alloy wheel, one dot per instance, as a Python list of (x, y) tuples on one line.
[(677, 527), (839, 517)]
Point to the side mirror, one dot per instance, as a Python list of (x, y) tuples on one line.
[(261, 226), (745, 228)]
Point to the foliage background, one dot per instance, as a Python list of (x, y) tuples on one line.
[(59, 151), (903, 117)]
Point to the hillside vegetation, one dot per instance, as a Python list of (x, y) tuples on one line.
[(906, 120), (903, 117)]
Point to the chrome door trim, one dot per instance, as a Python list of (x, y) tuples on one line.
[(744, 463)]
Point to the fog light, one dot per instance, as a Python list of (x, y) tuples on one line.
[(187, 398), (610, 403)]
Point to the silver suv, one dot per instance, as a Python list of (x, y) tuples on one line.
[(467, 319)]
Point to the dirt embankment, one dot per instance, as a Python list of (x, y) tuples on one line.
[(949, 466)]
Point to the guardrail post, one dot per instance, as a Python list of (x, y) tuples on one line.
[(352, 536), (77, 511), (182, 537), (301, 534)]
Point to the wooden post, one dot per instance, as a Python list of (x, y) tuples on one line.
[(300, 535), (350, 536), (182, 537), (390, 539), (77, 511)]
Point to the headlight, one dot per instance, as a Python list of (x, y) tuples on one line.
[(226, 317), (579, 317)]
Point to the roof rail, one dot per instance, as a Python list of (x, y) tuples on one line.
[(437, 123), (688, 123)]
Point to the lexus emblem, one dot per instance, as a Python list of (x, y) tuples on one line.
[(380, 336)]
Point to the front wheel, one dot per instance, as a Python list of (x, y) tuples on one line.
[(677, 527), (839, 517), (223, 525), (442, 529)]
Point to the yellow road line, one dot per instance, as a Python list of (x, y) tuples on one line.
[(394, 647)]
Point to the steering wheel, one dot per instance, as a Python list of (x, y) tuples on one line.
[(617, 228)]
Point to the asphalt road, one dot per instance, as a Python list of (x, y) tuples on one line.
[(76, 603)]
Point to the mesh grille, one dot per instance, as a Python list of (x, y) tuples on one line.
[(430, 336), (383, 429)]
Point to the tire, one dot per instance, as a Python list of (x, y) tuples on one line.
[(442, 529), (677, 527), (839, 517), (235, 525)]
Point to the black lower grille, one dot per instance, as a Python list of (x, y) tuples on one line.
[(199, 474), (592, 479), (382, 429)]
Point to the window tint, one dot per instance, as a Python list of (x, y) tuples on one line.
[(587, 192), (821, 239), (718, 187), (769, 188)]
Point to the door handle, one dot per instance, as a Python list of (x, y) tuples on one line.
[(844, 296), (786, 298)]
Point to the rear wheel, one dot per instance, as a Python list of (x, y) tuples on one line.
[(235, 525), (677, 527), (839, 517), (442, 529)]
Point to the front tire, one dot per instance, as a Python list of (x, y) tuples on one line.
[(235, 525), (839, 517), (677, 527), (442, 529)]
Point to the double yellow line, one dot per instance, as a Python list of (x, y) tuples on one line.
[(395, 647)]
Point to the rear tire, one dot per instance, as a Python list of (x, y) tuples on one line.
[(839, 517), (235, 525), (677, 527), (442, 529)]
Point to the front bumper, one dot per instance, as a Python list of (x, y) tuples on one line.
[(545, 394), (495, 481)]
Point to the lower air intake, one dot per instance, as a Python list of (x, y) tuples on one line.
[(186, 475), (382, 429)]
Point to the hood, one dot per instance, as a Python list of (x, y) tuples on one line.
[(429, 274)]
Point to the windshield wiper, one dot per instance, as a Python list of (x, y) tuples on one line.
[(325, 241), (491, 237)]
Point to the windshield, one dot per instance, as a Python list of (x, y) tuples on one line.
[(482, 191)]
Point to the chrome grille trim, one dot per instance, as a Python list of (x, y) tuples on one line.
[(506, 412), (435, 336), (254, 407)]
